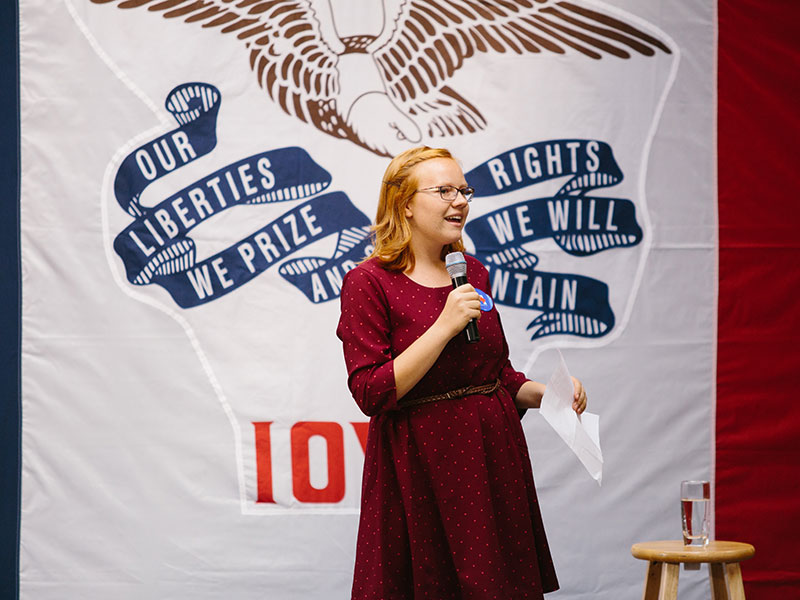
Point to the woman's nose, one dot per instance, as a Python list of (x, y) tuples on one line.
[(459, 200)]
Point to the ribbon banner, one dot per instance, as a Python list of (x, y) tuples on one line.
[(195, 106), (580, 225), (156, 248)]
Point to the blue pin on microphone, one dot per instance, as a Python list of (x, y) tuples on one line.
[(456, 266)]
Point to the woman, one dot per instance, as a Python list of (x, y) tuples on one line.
[(449, 508)]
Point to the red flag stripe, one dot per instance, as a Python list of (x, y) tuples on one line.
[(758, 417)]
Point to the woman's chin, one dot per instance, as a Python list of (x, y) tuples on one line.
[(453, 231), (453, 239)]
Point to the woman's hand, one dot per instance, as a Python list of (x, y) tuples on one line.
[(463, 304), (579, 402)]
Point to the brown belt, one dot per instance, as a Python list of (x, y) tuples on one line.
[(485, 389)]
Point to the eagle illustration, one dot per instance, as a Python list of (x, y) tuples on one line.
[(375, 72)]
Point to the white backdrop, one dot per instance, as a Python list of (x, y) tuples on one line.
[(140, 476)]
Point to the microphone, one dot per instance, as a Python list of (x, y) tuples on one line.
[(456, 266)]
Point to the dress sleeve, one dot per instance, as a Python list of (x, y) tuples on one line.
[(365, 331), (511, 379)]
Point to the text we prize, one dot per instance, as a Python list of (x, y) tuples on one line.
[(157, 247), (248, 182), (304, 435)]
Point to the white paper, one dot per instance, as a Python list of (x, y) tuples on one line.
[(581, 434)]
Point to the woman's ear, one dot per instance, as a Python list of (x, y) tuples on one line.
[(407, 211)]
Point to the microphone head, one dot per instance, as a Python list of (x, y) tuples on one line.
[(456, 264)]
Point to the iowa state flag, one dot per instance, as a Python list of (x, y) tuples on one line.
[(188, 182)]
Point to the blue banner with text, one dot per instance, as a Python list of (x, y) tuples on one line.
[(580, 225)]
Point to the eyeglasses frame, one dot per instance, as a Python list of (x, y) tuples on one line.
[(463, 191)]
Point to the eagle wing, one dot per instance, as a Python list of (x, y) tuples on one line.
[(287, 51), (431, 39)]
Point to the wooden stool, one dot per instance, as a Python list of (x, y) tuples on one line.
[(661, 581)]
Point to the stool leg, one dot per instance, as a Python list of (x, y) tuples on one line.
[(716, 577), (735, 581), (652, 580), (668, 590)]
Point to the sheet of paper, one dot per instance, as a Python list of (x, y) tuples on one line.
[(581, 434)]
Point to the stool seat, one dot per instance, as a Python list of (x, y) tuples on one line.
[(673, 551), (665, 557)]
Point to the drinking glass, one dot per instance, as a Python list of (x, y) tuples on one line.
[(695, 512)]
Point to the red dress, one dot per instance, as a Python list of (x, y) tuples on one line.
[(448, 506)]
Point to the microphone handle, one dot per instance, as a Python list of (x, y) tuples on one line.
[(471, 330)]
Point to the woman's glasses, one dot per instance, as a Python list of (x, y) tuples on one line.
[(449, 193)]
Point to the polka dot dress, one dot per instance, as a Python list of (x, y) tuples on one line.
[(448, 506)]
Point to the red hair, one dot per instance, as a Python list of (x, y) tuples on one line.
[(391, 229)]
